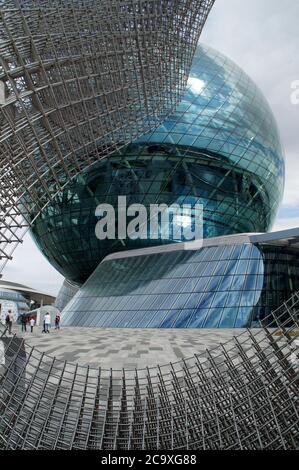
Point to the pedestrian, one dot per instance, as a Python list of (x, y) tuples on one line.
[(23, 322), (32, 323), (47, 320), (57, 322), (8, 321), (44, 327)]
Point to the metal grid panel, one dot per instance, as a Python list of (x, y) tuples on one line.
[(78, 80), (242, 395)]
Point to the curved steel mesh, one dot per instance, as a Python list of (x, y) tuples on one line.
[(242, 395), (77, 81)]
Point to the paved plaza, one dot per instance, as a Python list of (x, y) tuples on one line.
[(126, 348)]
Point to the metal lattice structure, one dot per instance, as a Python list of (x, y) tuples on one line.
[(242, 395), (78, 80)]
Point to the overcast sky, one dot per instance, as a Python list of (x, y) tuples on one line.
[(262, 37)]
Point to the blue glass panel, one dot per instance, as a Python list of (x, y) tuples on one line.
[(213, 318), (183, 318), (170, 319), (132, 292), (198, 318), (228, 317)]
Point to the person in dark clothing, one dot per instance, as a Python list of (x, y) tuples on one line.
[(23, 322), (57, 322), (8, 321), (32, 323)]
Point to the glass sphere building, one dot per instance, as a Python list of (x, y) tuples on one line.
[(221, 148)]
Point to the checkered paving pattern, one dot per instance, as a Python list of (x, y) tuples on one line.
[(126, 348)]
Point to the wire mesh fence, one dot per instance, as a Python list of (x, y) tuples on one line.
[(240, 395)]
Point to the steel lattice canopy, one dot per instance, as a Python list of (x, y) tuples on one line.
[(77, 81)]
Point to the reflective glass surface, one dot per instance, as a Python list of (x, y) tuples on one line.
[(221, 149), (215, 287), (65, 294)]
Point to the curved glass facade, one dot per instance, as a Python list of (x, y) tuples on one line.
[(65, 294), (226, 286), (221, 149)]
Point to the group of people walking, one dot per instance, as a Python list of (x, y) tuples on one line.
[(30, 322)]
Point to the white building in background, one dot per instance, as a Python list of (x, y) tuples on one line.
[(20, 299), (39, 314)]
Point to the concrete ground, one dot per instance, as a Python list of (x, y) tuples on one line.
[(126, 348)]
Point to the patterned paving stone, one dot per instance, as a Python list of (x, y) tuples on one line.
[(126, 348)]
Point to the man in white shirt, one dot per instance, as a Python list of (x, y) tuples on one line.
[(47, 321), (32, 323)]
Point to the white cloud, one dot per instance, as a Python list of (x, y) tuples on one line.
[(262, 37), (291, 196), (284, 224), (291, 193), (31, 268)]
